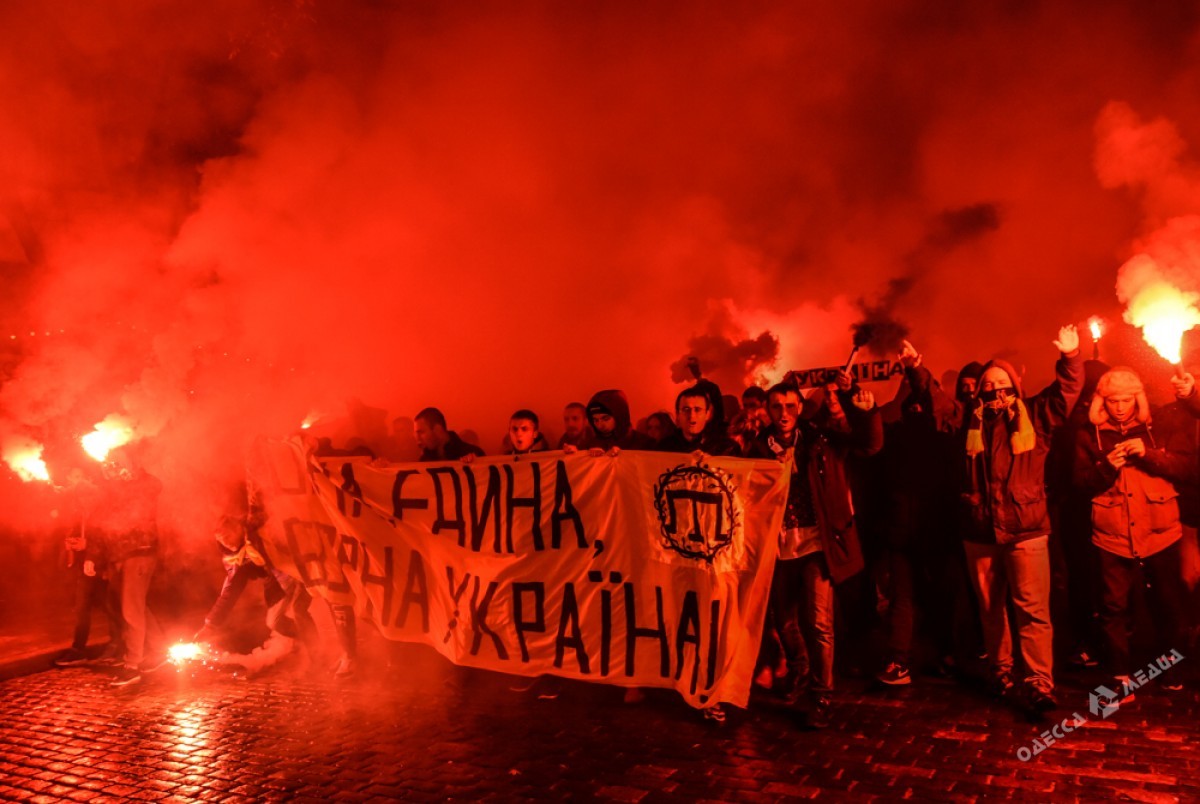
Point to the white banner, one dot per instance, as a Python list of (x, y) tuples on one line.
[(641, 570)]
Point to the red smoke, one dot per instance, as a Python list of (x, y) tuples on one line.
[(227, 217)]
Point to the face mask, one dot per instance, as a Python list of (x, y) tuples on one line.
[(996, 397)]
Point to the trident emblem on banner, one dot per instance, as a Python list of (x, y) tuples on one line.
[(697, 510)]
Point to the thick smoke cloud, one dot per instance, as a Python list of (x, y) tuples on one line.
[(218, 220)]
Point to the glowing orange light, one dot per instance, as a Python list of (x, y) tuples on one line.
[(1164, 313), (1094, 326), (182, 652), (106, 436), (25, 458)]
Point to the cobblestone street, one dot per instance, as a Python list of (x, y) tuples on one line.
[(418, 729)]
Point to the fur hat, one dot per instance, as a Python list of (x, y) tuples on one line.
[(1120, 381)]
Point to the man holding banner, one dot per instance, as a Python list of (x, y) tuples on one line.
[(637, 570), (818, 541)]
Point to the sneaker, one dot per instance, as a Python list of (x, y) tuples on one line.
[(548, 688), (1000, 685), (818, 715), (765, 679), (523, 684), (895, 675), (346, 668), (1121, 693), (1083, 659), (714, 714), (945, 667), (155, 663), (1041, 699), (125, 676), (793, 689), (71, 657)]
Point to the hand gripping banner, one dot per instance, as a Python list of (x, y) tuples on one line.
[(640, 570)]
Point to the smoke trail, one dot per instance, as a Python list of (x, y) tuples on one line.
[(727, 354), (231, 216)]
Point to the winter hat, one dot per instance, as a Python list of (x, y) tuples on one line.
[(1120, 381), (971, 371), (1014, 376)]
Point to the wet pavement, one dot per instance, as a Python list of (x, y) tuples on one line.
[(410, 726)]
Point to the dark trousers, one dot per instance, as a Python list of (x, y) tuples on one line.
[(90, 595), (1165, 594), (802, 602)]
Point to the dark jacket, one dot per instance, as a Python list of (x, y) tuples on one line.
[(710, 442), (126, 518), (1182, 429), (916, 472), (820, 452), (452, 450), (615, 404), (1135, 510), (580, 441), (1004, 495), (1192, 403)]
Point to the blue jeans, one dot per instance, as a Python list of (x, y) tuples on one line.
[(1019, 571), (130, 584)]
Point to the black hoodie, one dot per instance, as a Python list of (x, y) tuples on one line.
[(615, 404)]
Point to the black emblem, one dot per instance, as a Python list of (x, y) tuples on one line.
[(698, 511)]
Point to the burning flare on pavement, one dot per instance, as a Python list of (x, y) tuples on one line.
[(182, 652), (25, 458), (109, 434)]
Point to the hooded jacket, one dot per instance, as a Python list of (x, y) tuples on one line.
[(1004, 459), (916, 472), (615, 404), (1135, 509)]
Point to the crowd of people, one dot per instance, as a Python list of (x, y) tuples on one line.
[(933, 543)]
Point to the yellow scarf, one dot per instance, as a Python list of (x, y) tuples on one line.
[(1021, 435)]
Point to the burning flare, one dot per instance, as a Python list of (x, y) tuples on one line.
[(1094, 326), (107, 436), (182, 652), (1164, 313), (25, 458)]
